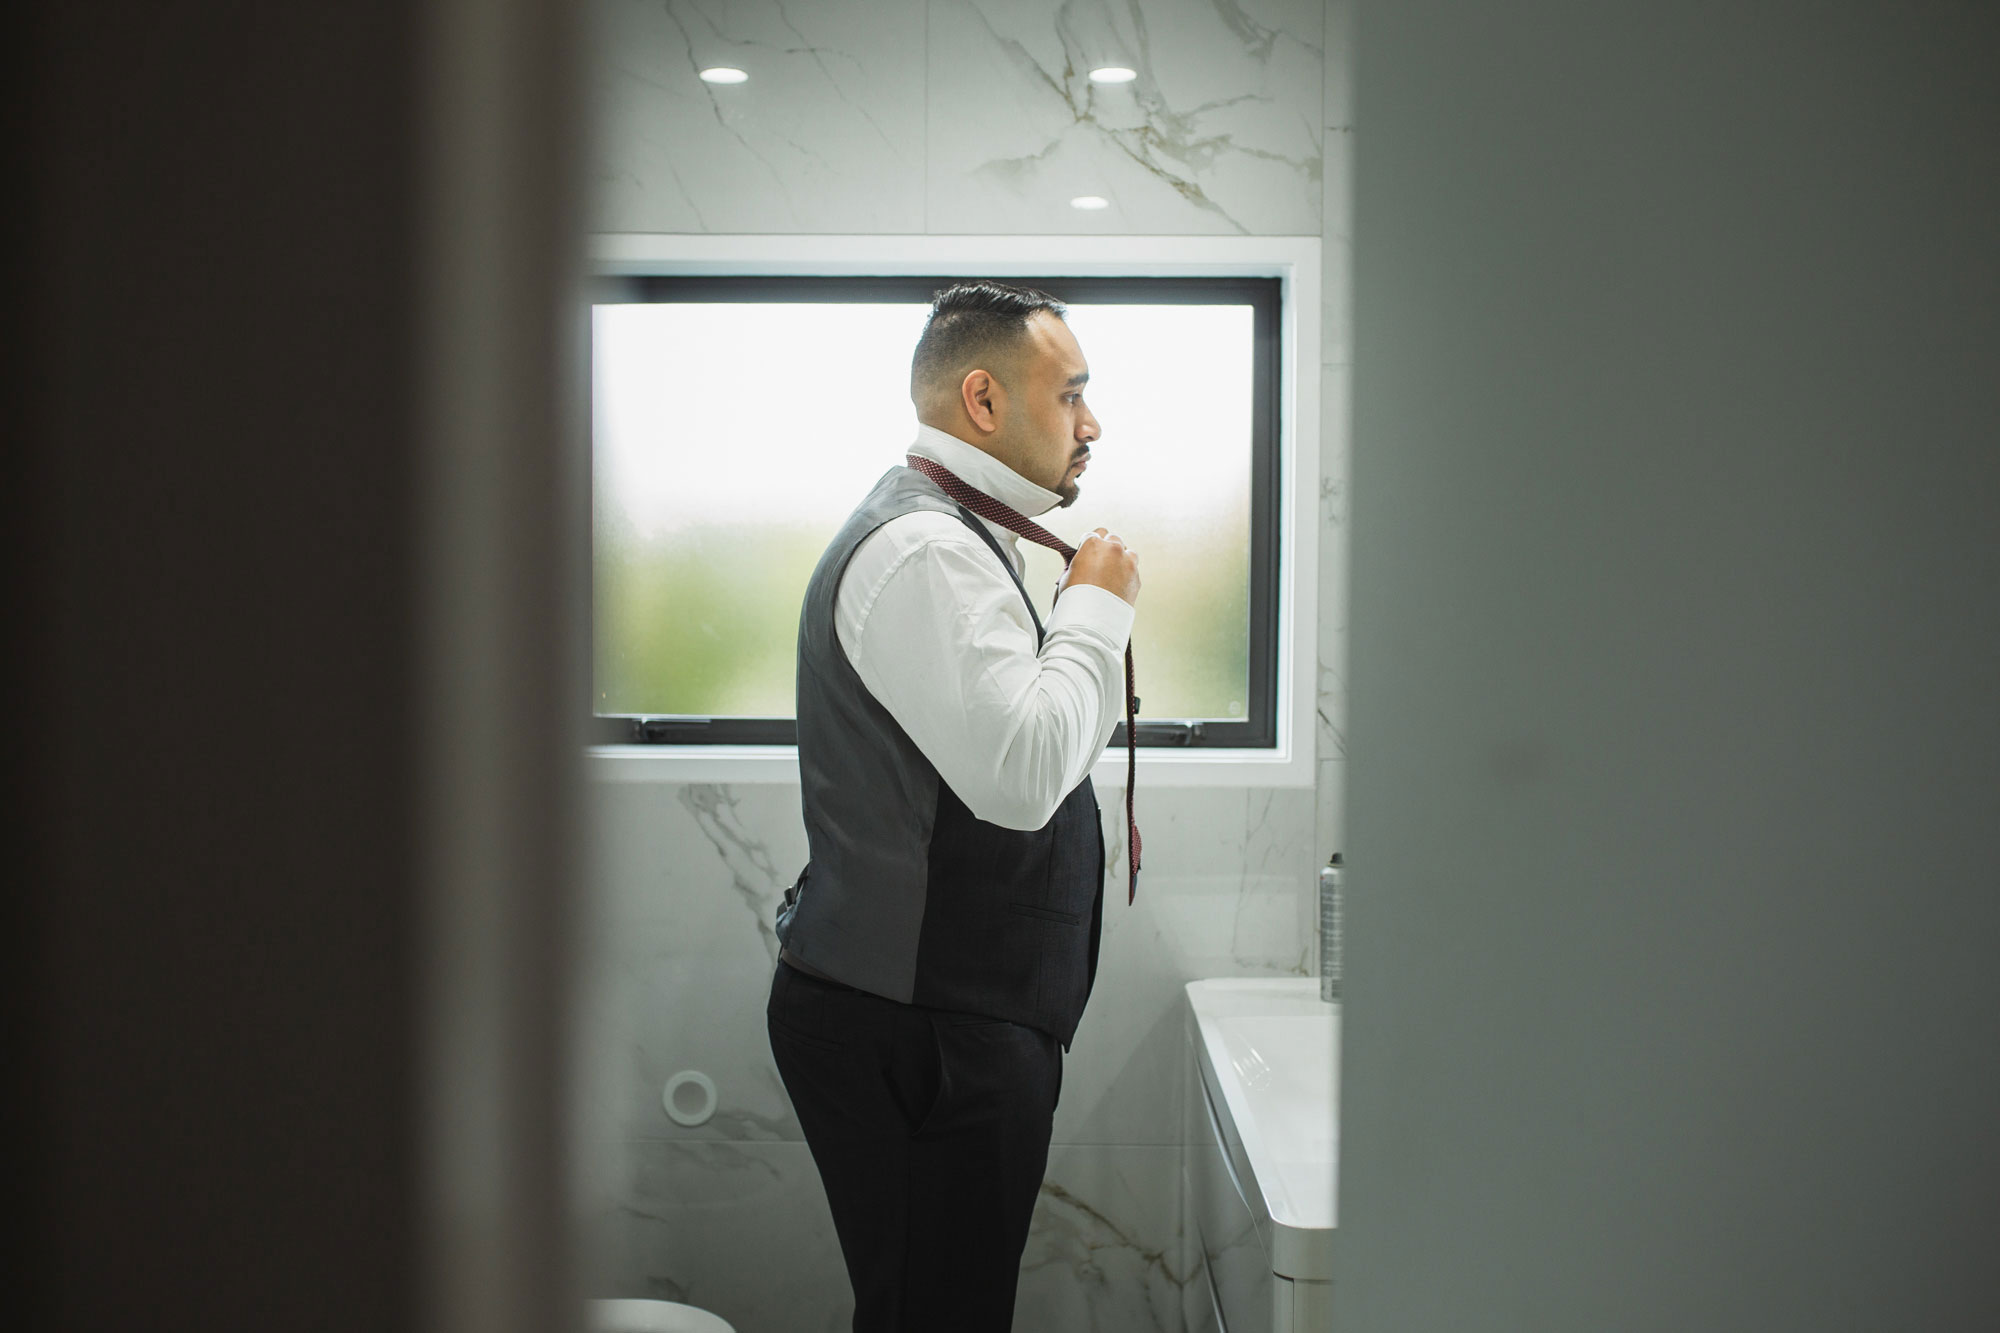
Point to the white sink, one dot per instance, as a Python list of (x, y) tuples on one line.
[(1267, 1056)]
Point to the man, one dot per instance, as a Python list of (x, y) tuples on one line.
[(940, 944)]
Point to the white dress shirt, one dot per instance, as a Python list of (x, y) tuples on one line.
[(940, 636)]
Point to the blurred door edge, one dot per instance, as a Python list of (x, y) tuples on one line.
[(293, 597)]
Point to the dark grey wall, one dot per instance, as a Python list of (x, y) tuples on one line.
[(1674, 949), (250, 898), (222, 450)]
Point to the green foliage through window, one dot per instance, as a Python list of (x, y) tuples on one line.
[(731, 439)]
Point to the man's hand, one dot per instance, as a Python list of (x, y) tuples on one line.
[(1104, 561)]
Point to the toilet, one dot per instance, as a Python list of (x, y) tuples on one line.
[(653, 1317)]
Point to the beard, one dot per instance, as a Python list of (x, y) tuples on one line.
[(1068, 488)]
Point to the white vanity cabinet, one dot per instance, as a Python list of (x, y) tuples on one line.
[(1258, 1164)]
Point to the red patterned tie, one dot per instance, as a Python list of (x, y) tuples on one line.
[(984, 505)]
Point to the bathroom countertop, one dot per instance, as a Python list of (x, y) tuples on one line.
[(1269, 1050)]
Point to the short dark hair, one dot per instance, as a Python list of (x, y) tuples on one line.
[(970, 321)]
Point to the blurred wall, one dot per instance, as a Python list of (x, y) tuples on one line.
[(935, 117), (288, 891), (1674, 931)]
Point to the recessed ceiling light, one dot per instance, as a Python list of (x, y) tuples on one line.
[(723, 74), (1090, 201), (1113, 74)]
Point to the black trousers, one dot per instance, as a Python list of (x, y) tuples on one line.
[(931, 1133)]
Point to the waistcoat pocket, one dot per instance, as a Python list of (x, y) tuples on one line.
[(1045, 913)]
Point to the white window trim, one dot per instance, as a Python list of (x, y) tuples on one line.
[(1294, 260)]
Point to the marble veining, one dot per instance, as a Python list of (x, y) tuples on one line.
[(702, 1223), (1270, 896), (800, 44), (1169, 144), (680, 952), (754, 879), (680, 960), (1332, 498), (1331, 685), (1220, 132), (975, 116), (826, 136), (674, 15), (1332, 690), (1104, 1243)]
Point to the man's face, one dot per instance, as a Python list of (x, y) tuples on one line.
[(1050, 428)]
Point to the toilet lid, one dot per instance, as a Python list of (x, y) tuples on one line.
[(653, 1317)]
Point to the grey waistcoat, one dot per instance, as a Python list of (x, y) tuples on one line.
[(908, 894)]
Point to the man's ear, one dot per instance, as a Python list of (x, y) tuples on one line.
[(982, 396)]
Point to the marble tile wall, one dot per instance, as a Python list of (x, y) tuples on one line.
[(912, 116), (1336, 358), (960, 116), (680, 952), (1335, 507), (1217, 133)]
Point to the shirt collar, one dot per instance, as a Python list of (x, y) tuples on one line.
[(983, 472)]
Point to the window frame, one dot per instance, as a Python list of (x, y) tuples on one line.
[(1258, 728), (1293, 260)]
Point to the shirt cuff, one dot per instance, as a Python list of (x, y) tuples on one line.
[(1087, 606)]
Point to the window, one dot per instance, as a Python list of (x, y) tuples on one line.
[(736, 421)]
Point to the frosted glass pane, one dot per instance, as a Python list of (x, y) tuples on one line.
[(1171, 386), (731, 441)]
